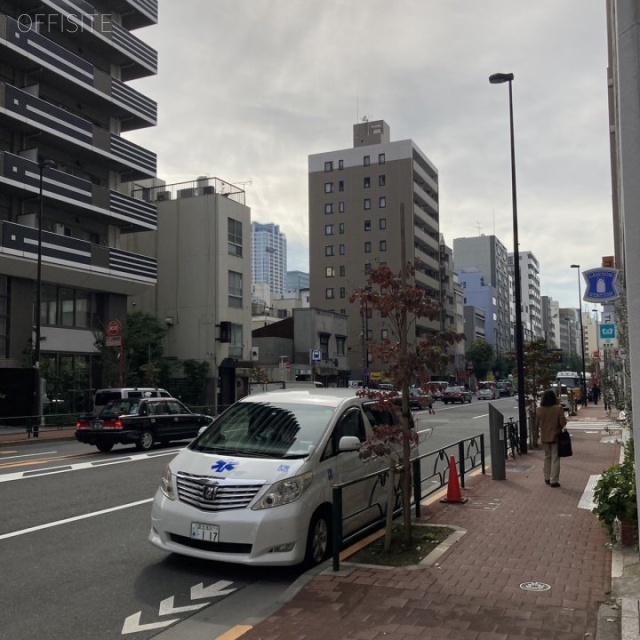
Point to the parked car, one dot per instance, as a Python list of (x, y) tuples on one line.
[(140, 421), (456, 394), (487, 391), (255, 488), (103, 397)]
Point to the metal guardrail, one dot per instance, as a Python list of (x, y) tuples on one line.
[(470, 455)]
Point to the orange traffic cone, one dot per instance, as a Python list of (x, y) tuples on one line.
[(453, 488)]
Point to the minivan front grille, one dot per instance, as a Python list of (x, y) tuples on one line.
[(213, 494)]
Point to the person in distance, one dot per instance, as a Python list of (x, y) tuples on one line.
[(550, 420)]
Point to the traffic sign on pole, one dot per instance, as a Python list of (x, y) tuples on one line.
[(113, 328)]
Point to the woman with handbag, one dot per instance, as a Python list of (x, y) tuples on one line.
[(550, 421)]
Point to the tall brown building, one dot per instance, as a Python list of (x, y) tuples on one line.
[(356, 199)]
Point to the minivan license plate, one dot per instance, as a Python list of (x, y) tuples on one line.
[(207, 532)]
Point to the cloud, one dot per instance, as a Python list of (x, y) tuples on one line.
[(248, 90)]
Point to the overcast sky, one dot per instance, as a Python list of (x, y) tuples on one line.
[(248, 89)]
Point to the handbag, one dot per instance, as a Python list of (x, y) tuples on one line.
[(564, 444)]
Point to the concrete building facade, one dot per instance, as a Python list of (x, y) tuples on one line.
[(488, 255), (530, 290), (65, 164), (203, 249), (360, 199)]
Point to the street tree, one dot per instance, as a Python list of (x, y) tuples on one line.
[(480, 353), (397, 300), (143, 338)]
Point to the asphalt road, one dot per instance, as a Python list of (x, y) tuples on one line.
[(76, 562)]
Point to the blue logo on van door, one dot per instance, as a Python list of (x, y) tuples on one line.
[(224, 465)]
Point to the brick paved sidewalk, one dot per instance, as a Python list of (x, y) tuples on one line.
[(518, 531)]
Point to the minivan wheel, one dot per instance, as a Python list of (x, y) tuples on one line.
[(318, 538), (146, 441), (105, 447)]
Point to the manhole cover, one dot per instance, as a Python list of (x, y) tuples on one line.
[(535, 586)]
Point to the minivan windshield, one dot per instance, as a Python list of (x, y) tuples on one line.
[(261, 429)]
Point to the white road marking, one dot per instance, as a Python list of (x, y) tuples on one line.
[(199, 591), (29, 455), (79, 466), (132, 624), (85, 516), (586, 501), (167, 607)]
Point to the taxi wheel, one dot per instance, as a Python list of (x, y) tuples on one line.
[(319, 538), (105, 447), (146, 441)]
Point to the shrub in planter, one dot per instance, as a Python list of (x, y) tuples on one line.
[(615, 495)]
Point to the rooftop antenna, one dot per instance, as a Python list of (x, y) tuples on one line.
[(479, 226)]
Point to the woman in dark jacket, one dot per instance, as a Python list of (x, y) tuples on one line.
[(550, 420)]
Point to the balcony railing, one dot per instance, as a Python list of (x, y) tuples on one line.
[(138, 110), (137, 13), (69, 191), (22, 241), (45, 117)]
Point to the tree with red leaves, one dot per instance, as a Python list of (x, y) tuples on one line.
[(401, 303)]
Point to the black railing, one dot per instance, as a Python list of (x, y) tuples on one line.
[(470, 455)]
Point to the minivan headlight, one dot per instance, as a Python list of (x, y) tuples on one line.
[(167, 485), (284, 491)]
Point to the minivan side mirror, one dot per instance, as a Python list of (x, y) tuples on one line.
[(349, 443)]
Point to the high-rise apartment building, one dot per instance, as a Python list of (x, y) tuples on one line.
[(269, 256), (530, 290), (65, 164), (358, 198), (489, 256)]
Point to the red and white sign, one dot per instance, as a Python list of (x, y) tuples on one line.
[(113, 328)]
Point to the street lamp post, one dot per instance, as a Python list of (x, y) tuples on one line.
[(500, 78), (584, 373), (37, 402)]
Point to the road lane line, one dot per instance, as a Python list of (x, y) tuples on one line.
[(28, 455), (58, 523), (235, 632)]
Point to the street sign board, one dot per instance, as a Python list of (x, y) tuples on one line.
[(607, 332), (113, 341), (113, 328), (601, 284), (316, 355)]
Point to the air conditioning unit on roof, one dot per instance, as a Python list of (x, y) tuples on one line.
[(163, 195)]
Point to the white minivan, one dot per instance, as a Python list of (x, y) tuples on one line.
[(256, 486)]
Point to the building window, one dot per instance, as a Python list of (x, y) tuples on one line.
[(367, 267), (366, 182), (61, 306), (367, 225), (367, 203), (329, 250), (328, 187), (235, 346), (384, 334), (341, 185), (341, 228), (4, 316), (235, 289), (367, 161), (383, 245), (328, 229), (381, 158), (343, 292), (329, 272), (342, 271), (341, 207), (328, 207), (328, 166), (367, 247), (341, 345), (383, 223), (234, 231), (324, 345), (382, 180), (341, 249), (382, 202), (341, 164), (329, 293)]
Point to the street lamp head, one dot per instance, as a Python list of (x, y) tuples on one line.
[(575, 266), (499, 78), (46, 164)]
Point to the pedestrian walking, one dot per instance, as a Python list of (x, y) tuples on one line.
[(595, 393), (550, 421)]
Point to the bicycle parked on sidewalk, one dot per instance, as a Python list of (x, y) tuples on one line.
[(512, 438)]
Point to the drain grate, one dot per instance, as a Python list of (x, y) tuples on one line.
[(535, 586)]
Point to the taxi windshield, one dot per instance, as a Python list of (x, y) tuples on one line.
[(266, 429)]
